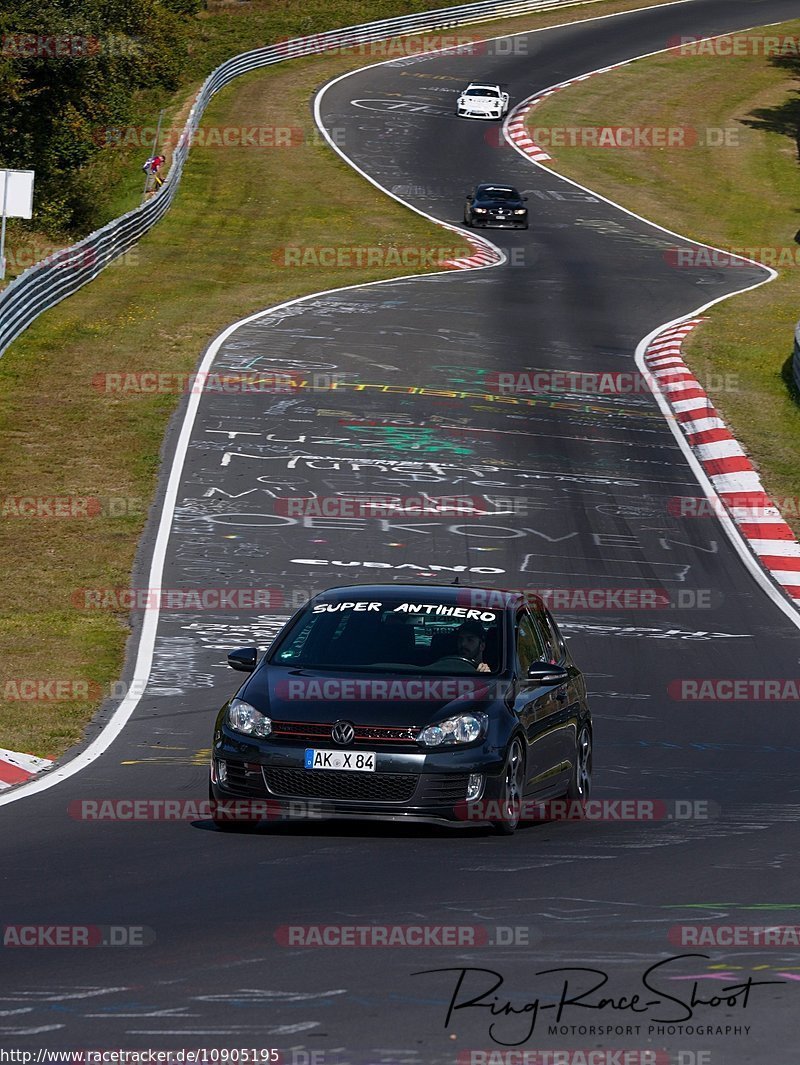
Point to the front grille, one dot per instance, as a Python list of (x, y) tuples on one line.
[(303, 730), (244, 778), (348, 787), (386, 734), (300, 730)]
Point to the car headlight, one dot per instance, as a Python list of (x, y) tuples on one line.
[(466, 728), (523, 211), (242, 717), (480, 210)]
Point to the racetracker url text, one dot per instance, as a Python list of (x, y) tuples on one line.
[(197, 1056)]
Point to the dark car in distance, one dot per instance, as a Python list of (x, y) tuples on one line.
[(496, 206), (407, 702)]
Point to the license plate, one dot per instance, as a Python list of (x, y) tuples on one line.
[(354, 761)]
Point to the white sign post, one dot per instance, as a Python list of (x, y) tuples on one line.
[(16, 192)]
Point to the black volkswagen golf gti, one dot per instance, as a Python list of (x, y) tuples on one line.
[(403, 702)]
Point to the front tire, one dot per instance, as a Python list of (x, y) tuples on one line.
[(580, 784), (511, 791)]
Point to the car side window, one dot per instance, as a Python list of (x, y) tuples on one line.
[(530, 648), (554, 646)]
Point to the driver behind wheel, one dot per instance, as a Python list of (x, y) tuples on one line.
[(471, 644)]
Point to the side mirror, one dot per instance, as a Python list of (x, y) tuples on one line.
[(470, 196), (525, 198), (544, 673), (243, 659)]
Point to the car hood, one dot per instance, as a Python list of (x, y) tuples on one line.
[(403, 700)]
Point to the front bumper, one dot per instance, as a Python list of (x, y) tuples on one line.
[(406, 785), (466, 113), (507, 222)]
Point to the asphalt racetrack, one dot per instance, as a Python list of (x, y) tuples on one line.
[(576, 493)]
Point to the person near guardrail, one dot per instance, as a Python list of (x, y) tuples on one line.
[(151, 167)]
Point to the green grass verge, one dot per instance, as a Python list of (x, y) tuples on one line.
[(742, 196), (209, 262)]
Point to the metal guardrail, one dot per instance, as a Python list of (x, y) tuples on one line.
[(46, 283), (796, 357)]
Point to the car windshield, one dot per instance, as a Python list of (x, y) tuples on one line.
[(414, 635), (492, 193), (480, 91)]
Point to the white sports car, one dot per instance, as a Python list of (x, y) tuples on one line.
[(482, 101)]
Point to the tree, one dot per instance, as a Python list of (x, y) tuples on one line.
[(69, 69)]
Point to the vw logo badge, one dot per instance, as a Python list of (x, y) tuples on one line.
[(343, 732)]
